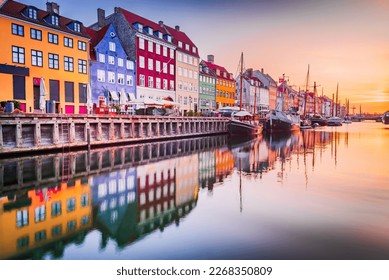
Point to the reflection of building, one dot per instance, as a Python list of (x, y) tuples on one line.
[(207, 169), (224, 163), (187, 180), (42, 217), (114, 198)]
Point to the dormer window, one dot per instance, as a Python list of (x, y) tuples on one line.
[(32, 13), (187, 47), (194, 49), (224, 74), (55, 20), (77, 27), (168, 38), (179, 44), (160, 35), (140, 27), (149, 30)]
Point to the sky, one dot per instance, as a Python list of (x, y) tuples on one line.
[(342, 41)]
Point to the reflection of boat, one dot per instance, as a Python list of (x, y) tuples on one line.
[(385, 117), (334, 121), (281, 121), (318, 119), (242, 123)]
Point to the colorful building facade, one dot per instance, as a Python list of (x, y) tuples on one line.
[(225, 84), (112, 74), (187, 70), (39, 44), (207, 89)]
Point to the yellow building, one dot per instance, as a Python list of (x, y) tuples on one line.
[(40, 217), (225, 84), (39, 44)]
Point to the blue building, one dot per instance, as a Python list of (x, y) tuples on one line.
[(110, 71)]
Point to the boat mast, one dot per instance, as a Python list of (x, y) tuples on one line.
[(241, 82), (337, 105), (306, 92)]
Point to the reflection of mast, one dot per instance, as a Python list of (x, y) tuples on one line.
[(240, 184)]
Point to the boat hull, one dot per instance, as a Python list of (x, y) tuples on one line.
[(243, 129), (279, 125), (385, 118)]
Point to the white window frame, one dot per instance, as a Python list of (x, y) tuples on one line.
[(100, 75), (130, 65), (150, 46), (112, 46), (150, 64), (171, 69), (111, 77), (150, 83), (157, 48), (101, 57), (129, 80), (111, 60), (164, 68), (158, 66), (120, 62), (141, 62), (141, 80), (171, 53), (141, 43), (158, 83), (120, 79), (164, 51)]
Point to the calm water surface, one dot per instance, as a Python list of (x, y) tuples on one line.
[(317, 194)]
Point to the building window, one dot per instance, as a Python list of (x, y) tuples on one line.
[(141, 62), (68, 42), (40, 235), (112, 46), (54, 89), (54, 20), (18, 55), (111, 77), (194, 50), (71, 204), (157, 48), (82, 66), (81, 46), (142, 80), (121, 79), (165, 51), (179, 44), (36, 58), (68, 64), (150, 64), (164, 68), (40, 213), (77, 27), (120, 62), (84, 200), (190, 60), (23, 242), (185, 72), (111, 60), (53, 38), (129, 80), (179, 56), (157, 66), (36, 34), (100, 75), (172, 53), (141, 43), (151, 82), (130, 65), (53, 61), (17, 29), (150, 46), (102, 57), (187, 47), (171, 69), (185, 58), (164, 84), (19, 87), (140, 27), (32, 13), (56, 230), (21, 218), (190, 74), (171, 85), (69, 91), (56, 209), (71, 225), (158, 83)]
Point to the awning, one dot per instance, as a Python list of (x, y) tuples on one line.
[(114, 95)]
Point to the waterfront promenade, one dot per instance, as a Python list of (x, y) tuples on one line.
[(29, 133)]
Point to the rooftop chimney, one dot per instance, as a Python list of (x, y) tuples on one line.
[(177, 27), (211, 58), (100, 18), (262, 70), (249, 72), (52, 7), (160, 23)]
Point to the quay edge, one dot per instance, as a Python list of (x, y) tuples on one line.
[(41, 133)]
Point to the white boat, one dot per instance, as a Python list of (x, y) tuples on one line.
[(334, 121)]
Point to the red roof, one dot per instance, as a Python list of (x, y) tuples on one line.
[(96, 37), (182, 37), (15, 9), (221, 69)]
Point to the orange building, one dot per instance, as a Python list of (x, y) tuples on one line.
[(41, 217), (225, 84), (39, 44)]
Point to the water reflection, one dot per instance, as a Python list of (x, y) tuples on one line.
[(48, 203)]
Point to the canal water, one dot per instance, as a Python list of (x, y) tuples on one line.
[(316, 194)]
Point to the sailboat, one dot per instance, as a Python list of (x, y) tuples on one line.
[(243, 123)]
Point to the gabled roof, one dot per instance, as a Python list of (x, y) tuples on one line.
[(15, 9), (203, 72), (95, 38), (215, 67), (182, 37)]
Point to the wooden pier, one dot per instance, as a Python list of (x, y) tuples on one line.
[(26, 133)]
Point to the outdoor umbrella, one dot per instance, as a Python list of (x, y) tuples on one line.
[(123, 97), (89, 102), (42, 95)]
